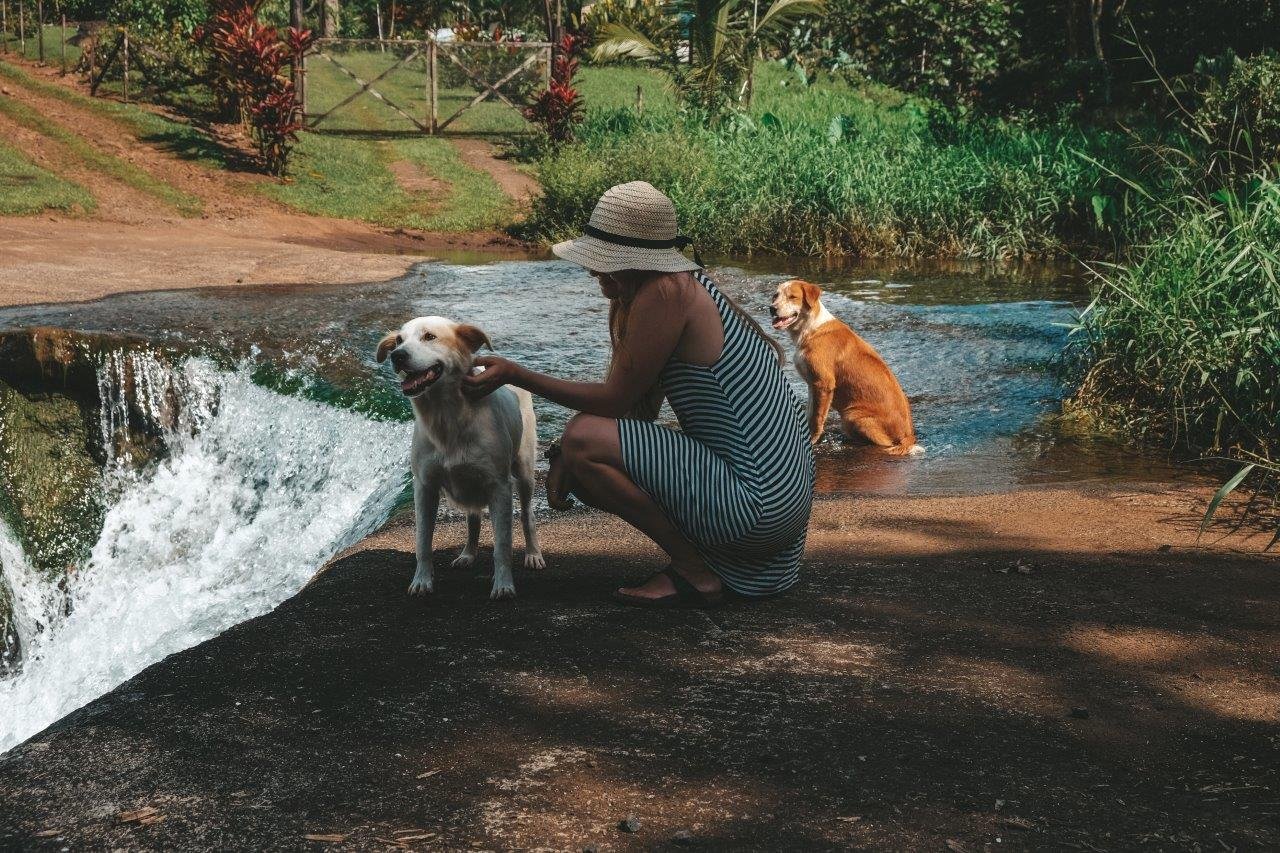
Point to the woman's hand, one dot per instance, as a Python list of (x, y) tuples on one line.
[(497, 372)]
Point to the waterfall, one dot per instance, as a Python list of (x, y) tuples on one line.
[(252, 493)]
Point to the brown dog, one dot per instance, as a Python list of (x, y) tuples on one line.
[(843, 369)]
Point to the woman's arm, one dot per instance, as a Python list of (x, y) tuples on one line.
[(654, 326)]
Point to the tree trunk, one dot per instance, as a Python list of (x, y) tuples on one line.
[(1095, 18), (329, 19)]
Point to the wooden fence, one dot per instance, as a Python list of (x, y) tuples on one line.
[(422, 85)]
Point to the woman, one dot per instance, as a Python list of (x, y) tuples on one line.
[(728, 496)]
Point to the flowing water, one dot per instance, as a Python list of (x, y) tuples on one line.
[(285, 442)]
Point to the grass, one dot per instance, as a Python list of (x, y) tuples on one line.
[(25, 188), (351, 178), (1183, 342), (114, 167), (836, 170), (183, 139), (52, 42)]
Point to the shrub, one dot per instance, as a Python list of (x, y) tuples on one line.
[(943, 50), (250, 63), (1239, 113), (557, 108)]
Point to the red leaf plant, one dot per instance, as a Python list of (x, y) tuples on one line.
[(558, 107), (249, 63)]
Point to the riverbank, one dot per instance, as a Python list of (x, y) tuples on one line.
[(1076, 675)]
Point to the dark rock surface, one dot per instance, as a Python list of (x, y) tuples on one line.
[(892, 702)]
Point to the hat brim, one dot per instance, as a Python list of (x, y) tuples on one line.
[(600, 256)]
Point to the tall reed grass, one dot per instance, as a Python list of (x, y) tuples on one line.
[(844, 175), (1183, 342)]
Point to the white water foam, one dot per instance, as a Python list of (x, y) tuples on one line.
[(256, 492)]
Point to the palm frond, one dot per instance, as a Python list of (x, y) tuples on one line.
[(618, 41)]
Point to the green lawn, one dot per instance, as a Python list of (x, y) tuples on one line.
[(351, 178), (25, 188)]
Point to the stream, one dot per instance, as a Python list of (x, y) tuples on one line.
[(278, 441)]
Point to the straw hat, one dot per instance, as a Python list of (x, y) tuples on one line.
[(632, 228)]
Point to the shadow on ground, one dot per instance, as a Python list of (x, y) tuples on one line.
[(1000, 697)]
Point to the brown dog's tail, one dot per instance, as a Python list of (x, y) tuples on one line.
[(907, 447)]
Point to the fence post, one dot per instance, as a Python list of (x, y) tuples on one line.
[(64, 45), (22, 28), (550, 58), (125, 62), (40, 30), (4, 24), (431, 84), (301, 90)]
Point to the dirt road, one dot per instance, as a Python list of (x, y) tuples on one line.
[(134, 241), (949, 675)]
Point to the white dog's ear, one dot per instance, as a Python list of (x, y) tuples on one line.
[(385, 346), (812, 293), (473, 338)]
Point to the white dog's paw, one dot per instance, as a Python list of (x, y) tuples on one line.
[(534, 561), (502, 592), (421, 586), (463, 561)]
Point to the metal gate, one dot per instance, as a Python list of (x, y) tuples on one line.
[(423, 86)]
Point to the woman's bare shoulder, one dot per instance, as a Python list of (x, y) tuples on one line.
[(671, 286)]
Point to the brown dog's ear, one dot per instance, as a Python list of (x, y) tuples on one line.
[(385, 346), (474, 338), (812, 293)]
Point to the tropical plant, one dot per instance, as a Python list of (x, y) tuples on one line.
[(558, 107), (724, 39), (249, 63)]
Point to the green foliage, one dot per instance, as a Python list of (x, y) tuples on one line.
[(152, 16), (724, 38), (25, 188), (941, 50), (831, 169), (1239, 114), (1183, 342)]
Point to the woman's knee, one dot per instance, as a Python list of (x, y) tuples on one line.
[(588, 438)]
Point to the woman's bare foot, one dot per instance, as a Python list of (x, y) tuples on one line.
[(660, 586), (559, 485)]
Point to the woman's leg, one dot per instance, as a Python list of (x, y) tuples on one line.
[(594, 471)]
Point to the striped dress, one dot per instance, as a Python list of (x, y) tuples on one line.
[(737, 478)]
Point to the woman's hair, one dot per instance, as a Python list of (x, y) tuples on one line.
[(620, 312)]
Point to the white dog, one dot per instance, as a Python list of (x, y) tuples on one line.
[(470, 450)]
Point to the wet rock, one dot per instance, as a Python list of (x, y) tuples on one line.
[(631, 823), (684, 838), (50, 493), (1079, 713)]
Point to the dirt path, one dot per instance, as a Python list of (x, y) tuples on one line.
[(947, 676), (480, 154), (135, 242)]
